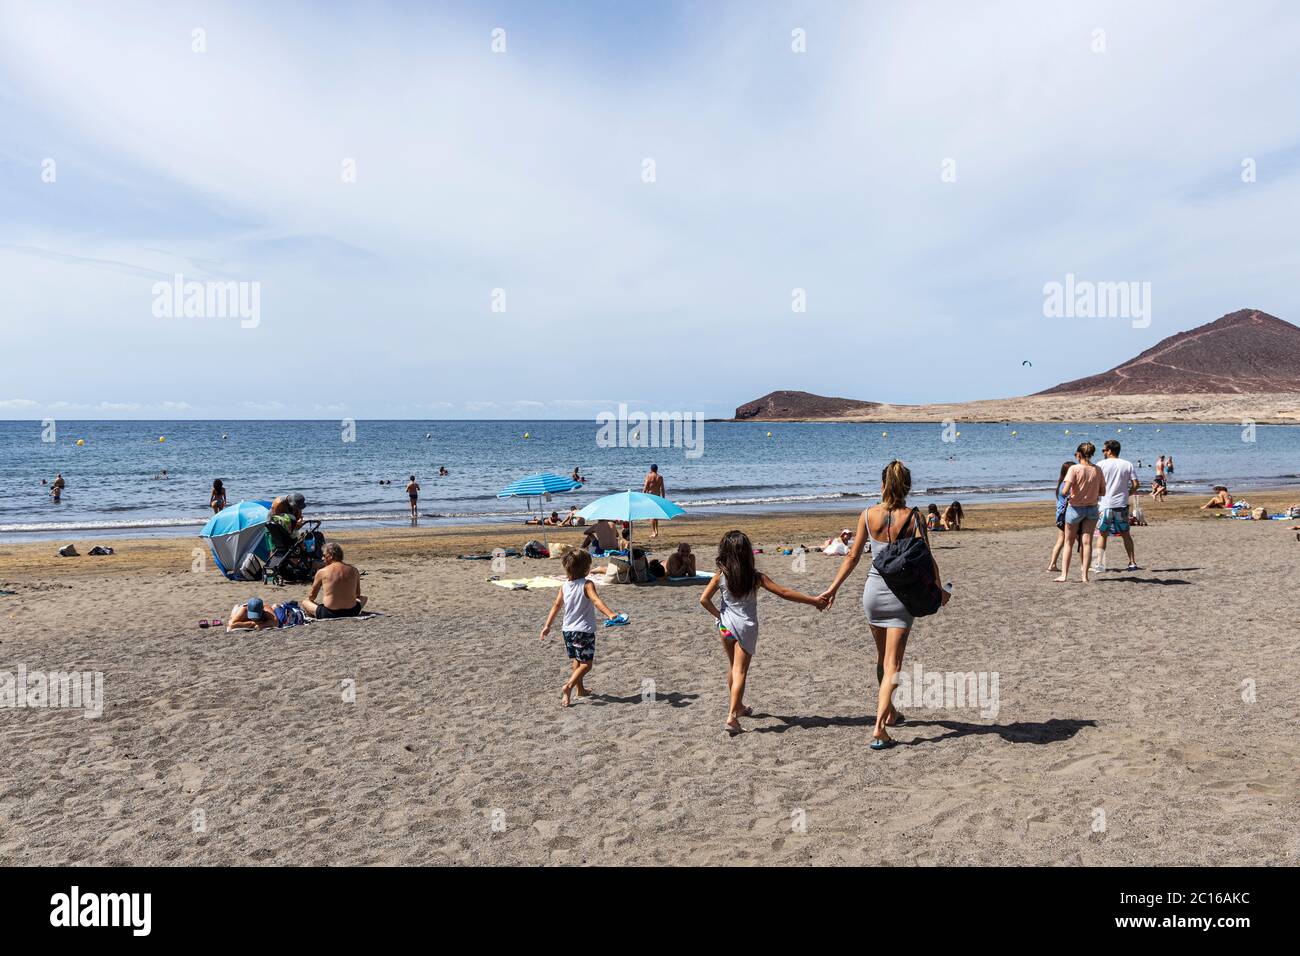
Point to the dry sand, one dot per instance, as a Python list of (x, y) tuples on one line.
[(1122, 698)]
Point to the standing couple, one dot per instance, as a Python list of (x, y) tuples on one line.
[(1092, 496)]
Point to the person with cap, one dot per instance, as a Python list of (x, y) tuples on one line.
[(840, 544), (252, 616)]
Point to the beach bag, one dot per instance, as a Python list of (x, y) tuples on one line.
[(907, 568), (535, 549), (251, 568), (657, 569), (618, 572)]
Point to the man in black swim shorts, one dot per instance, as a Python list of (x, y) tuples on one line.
[(338, 587)]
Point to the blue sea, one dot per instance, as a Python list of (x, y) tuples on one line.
[(115, 482)]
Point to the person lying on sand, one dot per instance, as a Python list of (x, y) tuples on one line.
[(840, 544), (252, 616), (1221, 499), (338, 586)]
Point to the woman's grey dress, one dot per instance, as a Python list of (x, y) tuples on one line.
[(882, 607)]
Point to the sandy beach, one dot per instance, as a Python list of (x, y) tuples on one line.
[(1122, 733)]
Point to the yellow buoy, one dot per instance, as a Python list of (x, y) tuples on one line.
[(525, 434), (884, 434), (162, 437), (1013, 434), (81, 441), (1067, 431), (769, 434)]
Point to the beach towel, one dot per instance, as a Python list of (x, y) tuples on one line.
[(699, 577), (363, 616), (488, 555), (528, 584)]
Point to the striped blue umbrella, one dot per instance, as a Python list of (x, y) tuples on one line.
[(538, 486), (534, 486)]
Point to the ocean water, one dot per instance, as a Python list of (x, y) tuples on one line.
[(114, 484)]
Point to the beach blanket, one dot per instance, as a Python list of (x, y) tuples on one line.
[(488, 555), (699, 577), (528, 584)]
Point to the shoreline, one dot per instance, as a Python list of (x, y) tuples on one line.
[(808, 527)]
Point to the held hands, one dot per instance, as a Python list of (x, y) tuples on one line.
[(825, 600)]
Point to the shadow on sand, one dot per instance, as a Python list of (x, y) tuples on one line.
[(671, 698), (1022, 732)]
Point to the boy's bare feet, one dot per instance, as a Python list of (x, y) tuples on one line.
[(732, 727), (564, 695), (1061, 580)]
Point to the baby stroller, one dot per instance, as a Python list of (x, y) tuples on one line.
[(294, 558)]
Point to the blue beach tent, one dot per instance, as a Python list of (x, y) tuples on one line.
[(235, 532)]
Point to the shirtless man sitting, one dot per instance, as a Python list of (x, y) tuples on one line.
[(601, 534), (681, 563), (338, 587)]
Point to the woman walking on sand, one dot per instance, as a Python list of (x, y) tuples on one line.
[(888, 618)]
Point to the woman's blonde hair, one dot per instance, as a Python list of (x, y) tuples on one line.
[(895, 485)]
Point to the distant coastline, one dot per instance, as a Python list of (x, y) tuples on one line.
[(1202, 409)]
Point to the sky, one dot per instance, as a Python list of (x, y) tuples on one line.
[(542, 210)]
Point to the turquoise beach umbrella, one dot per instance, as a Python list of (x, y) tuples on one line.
[(631, 506)]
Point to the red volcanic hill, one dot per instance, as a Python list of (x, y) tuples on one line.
[(800, 405), (1245, 352)]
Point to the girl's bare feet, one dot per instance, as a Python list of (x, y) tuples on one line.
[(565, 691), (1052, 567), (732, 727), (747, 712), (1061, 580)]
